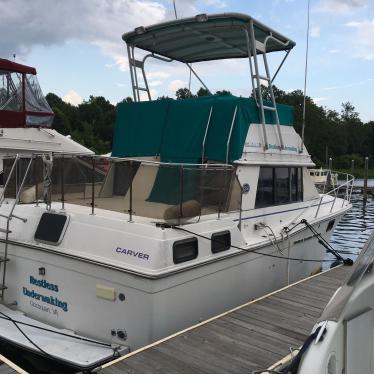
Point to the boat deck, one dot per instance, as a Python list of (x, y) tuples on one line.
[(8, 367), (251, 337)]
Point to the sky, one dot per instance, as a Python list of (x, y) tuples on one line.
[(77, 49)]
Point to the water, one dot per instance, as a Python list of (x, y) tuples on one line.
[(355, 228)]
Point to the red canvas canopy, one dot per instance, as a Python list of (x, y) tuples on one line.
[(22, 103), (18, 68)]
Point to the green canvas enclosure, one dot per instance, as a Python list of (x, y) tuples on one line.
[(174, 129)]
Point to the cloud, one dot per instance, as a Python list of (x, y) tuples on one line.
[(73, 98), (334, 50), (317, 100), (155, 83), (347, 85), (47, 23), (364, 38), (176, 84), (215, 3), (315, 31), (341, 7), (157, 75)]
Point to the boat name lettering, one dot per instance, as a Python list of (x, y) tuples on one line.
[(43, 283), (253, 144), (51, 300), (130, 252), (286, 147)]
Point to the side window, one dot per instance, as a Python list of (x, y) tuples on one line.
[(296, 176), (282, 186), (300, 185), (51, 228), (278, 186), (265, 188), (185, 250)]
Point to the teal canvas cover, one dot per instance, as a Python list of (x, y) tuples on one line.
[(174, 129)]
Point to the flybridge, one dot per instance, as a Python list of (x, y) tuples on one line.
[(212, 37), (22, 103)]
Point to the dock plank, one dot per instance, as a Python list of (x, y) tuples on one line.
[(252, 337), (8, 367)]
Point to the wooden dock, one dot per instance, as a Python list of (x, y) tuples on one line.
[(251, 337), (8, 367)]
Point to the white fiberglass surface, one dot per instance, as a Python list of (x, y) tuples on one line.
[(71, 349), (362, 265)]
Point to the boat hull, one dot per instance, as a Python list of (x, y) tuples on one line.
[(144, 310)]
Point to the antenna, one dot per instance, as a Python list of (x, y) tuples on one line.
[(14, 56), (305, 79), (175, 10), (190, 65)]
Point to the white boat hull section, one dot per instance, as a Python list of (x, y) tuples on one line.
[(70, 350), (95, 289), (348, 343)]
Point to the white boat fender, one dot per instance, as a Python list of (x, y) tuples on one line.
[(293, 367)]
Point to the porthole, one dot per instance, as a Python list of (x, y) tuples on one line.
[(221, 241), (330, 225), (185, 250)]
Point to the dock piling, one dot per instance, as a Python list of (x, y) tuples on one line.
[(366, 178)]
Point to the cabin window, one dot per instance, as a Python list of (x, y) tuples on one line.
[(185, 250), (51, 228), (221, 241), (265, 188), (282, 185), (296, 180), (278, 186)]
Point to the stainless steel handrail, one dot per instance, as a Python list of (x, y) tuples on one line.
[(349, 187)]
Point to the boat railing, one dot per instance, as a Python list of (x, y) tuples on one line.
[(337, 189), (145, 187)]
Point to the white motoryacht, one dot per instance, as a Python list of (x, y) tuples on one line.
[(205, 203), (322, 177), (342, 339)]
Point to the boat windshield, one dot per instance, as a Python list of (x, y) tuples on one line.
[(361, 267), (137, 187)]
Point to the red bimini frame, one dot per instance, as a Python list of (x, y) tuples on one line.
[(22, 103)]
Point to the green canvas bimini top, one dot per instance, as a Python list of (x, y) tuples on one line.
[(205, 37), (175, 129)]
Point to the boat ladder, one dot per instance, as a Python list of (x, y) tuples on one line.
[(257, 48), (135, 65), (9, 216)]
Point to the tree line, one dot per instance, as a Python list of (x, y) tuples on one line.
[(328, 133)]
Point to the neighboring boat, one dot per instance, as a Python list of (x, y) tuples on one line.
[(322, 177), (342, 340), (204, 204), (26, 117)]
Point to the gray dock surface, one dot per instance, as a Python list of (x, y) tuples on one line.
[(251, 337), (8, 367)]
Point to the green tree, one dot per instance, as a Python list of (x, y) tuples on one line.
[(202, 92), (183, 93), (223, 93)]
